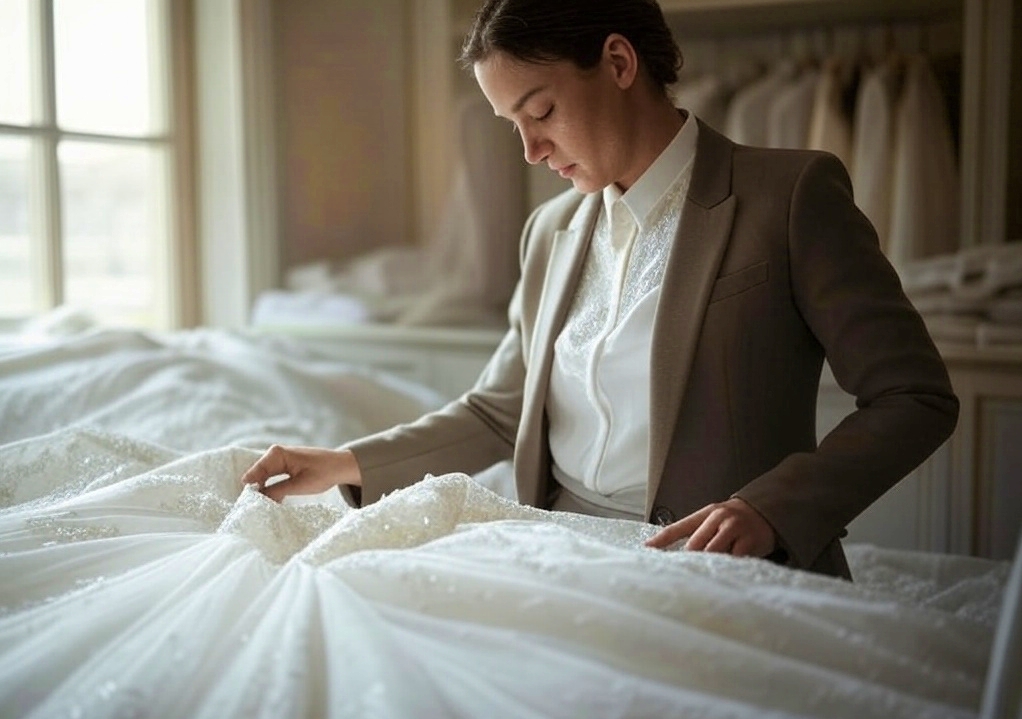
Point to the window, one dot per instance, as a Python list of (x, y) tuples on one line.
[(90, 163)]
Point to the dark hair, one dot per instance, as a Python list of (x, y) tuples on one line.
[(575, 30)]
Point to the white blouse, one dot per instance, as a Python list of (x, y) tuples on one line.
[(598, 402)]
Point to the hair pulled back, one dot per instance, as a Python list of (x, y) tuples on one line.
[(554, 30)]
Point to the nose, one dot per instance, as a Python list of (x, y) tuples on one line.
[(537, 148)]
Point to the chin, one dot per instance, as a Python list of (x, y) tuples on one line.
[(586, 186)]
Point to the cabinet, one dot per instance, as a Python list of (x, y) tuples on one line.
[(446, 360), (967, 497)]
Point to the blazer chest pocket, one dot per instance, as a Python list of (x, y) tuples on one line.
[(737, 282)]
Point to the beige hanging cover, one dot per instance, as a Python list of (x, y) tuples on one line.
[(473, 256)]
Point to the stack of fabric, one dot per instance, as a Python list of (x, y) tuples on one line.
[(973, 296)]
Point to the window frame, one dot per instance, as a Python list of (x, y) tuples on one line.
[(176, 276)]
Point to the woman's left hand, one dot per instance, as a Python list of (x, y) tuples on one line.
[(731, 527)]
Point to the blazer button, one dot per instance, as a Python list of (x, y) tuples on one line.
[(662, 515)]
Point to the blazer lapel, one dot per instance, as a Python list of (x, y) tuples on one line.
[(563, 271), (691, 271), (564, 268)]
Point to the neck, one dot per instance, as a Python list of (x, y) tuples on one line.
[(652, 130)]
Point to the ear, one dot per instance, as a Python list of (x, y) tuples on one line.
[(621, 59)]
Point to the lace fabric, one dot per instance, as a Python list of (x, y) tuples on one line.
[(143, 582)]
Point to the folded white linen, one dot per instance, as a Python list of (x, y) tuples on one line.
[(975, 273), (963, 330)]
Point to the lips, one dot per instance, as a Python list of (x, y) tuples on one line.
[(565, 171)]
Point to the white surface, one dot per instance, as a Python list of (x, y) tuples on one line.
[(196, 390), (139, 579), (143, 581), (1002, 698)]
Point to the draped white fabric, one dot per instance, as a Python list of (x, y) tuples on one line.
[(138, 578), (196, 389), (140, 581)]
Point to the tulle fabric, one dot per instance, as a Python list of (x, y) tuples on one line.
[(144, 582)]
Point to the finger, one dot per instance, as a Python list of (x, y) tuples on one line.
[(278, 490), (665, 537), (704, 533), (724, 539), (678, 530), (744, 546), (272, 463)]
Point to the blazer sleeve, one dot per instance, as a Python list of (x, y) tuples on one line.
[(467, 435), (879, 351)]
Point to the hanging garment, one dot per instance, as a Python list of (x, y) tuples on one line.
[(473, 258), (830, 128), (747, 113), (873, 145), (925, 216), (706, 98), (791, 111), (465, 271)]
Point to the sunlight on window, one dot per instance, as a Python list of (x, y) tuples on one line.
[(113, 229), (109, 132), (104, 66), (15, 93), (15, 242)]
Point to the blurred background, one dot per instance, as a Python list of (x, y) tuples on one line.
[(169, 163)]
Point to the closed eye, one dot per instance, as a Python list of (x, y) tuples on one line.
[(544, 116)]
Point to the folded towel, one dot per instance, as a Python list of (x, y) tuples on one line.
[(975, 273)]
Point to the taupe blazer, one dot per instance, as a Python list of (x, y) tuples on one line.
[(773, 269)]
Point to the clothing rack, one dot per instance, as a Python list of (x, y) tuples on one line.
[(868, 42), (737, 82)]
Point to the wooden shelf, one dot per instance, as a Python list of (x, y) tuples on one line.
[(391, 334), (1006, 356), (706, 18)]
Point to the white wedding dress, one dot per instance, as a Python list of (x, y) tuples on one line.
[(139, 581)]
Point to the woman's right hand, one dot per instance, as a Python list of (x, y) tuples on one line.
[(308, 470)]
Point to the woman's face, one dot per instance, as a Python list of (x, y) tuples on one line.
[(574, 120)]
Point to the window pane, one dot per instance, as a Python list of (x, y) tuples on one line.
[(15, 97), (113, 220), (16, 297), (106, 60)]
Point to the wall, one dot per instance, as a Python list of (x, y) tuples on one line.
[(342, 127), (231, 274)]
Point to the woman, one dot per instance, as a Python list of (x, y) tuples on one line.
[(674, 310)]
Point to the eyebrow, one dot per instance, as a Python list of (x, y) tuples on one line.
[(525, 98)]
